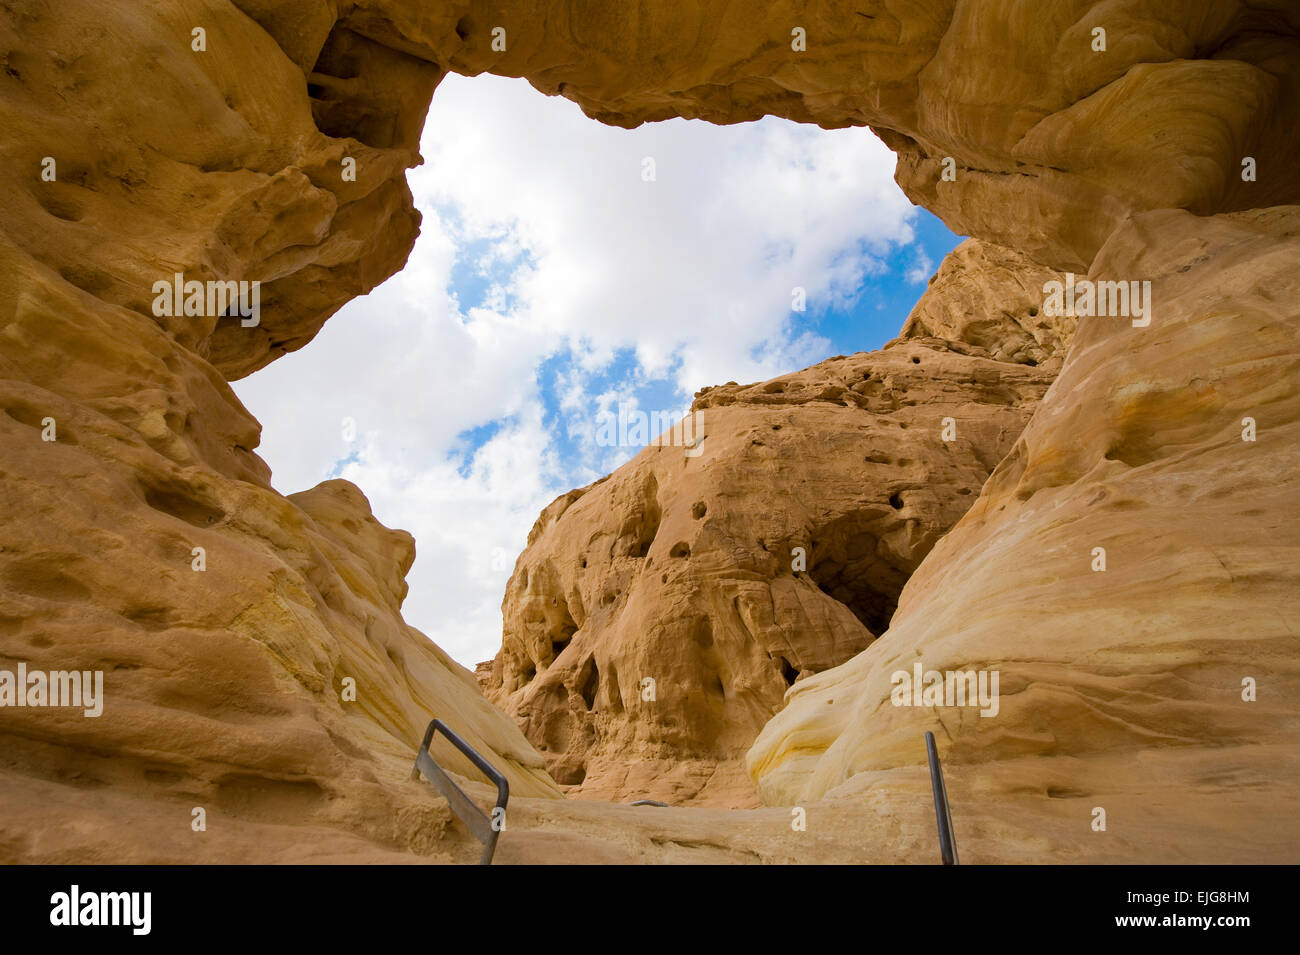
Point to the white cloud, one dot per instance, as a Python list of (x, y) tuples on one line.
[(921, 268), (691, 273)]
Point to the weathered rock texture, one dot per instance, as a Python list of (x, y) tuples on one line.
[(1130, 679), (224, 686), (1054, 142), (1122, 688), (991, 297), (775, 552)]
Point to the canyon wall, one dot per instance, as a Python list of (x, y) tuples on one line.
[(1127, 569), (658, 616), (1163, 155), (255, 662)]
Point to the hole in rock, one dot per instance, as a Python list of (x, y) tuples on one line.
[(34, 417), (47, 576), (182, 502), (613, 692), (150, 618), (1135, 449), (589, 683), (87, 279), (495, 388), (639, 528), (854, 567), (364, 90), (58, 206), (558, 646)]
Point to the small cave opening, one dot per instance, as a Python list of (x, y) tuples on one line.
[(362, 89), (639, 528), (589, 683), (848, 563), (548, 606), (788, 671)]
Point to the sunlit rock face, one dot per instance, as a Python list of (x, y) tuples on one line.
[(1126, 570), (255, 663), (1169, 150), (992, 298), (658, 617)]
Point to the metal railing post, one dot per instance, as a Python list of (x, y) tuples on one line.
[(486, 830), (943, 815)]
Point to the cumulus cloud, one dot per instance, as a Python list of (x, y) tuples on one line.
[(551, 280)]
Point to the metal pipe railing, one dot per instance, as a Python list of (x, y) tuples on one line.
[(486, 830), (947, 838)]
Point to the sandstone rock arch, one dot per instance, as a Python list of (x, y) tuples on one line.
[(1112, 162)]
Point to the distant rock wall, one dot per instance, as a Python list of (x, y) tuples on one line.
[(772, 550)]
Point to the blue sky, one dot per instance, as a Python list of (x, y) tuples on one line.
[(553, 281)]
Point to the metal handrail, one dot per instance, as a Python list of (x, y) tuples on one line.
[(947, 838), (475, 819)]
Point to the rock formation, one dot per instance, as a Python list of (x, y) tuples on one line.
[(1142, 141), (1170, 447), (773, 548), (141, 536)]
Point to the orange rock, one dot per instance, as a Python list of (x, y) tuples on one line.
[(658, 617)]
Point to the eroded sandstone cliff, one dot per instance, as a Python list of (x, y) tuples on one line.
[(658, 617), (1123, 687), (141, 535), (1165, 675)]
